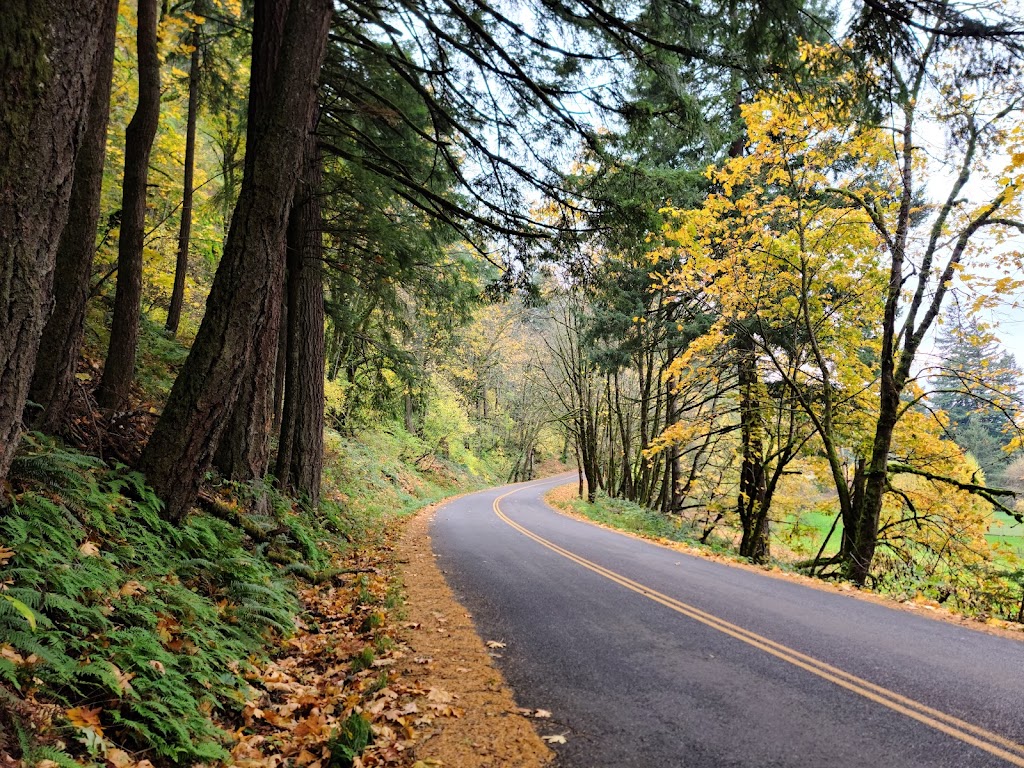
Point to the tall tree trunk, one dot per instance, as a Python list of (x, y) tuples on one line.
[(675, 455), (281, 367), (185, 228), (61, 342), (300, 457), (751, 504), (119, 368), (240, 305), (868, 514), (243, 449), (48, 57), (849, 512), (409, 410)]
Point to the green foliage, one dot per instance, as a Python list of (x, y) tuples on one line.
[(349, 741), (152, 623), (628, 516), (981, 388), (380, 472)]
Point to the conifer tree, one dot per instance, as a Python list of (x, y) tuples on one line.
[(119, 368), (50, 52), (245, 296)]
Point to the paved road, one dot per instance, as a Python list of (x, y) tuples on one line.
[(649, 657)]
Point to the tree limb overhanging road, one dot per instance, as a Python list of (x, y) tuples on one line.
[(649, 657)]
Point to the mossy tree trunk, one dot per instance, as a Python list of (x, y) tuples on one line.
[(48, 58), (53, 381)]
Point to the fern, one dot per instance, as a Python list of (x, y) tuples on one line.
[(156, 623)]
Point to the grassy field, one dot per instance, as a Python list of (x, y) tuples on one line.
[(797, 534), (1007, 533)]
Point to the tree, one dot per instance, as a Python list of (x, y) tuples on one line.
[(978, 386), (185, 228), (119, 369), (921, 277), (789, 271), (50, 53), (56, 362), (241, 306), (300, 452), (835, 205)]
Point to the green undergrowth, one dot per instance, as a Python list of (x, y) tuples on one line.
[(634, 518), (378, 473), (142, 632), (142, 628)]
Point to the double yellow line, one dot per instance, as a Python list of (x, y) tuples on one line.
[(993, 743)]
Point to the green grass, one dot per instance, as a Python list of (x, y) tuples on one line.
[(1004, 525), (633, 518)]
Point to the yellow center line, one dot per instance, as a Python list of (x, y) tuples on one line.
[(993, 743)]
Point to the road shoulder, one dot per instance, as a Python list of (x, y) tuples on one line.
[(484, 729)]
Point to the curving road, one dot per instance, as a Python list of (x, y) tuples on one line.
[(649, 657)]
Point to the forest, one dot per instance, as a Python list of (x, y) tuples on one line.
[(278, 272)]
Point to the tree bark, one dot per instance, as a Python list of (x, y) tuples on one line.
[(281, 367), (243, 449), (61, 342), (868, 514), (185, 229), (751, 504), (119, 368), (300, 457), (241, 304), (48, 57)]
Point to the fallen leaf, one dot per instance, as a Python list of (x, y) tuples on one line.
[(5, 555), (556, 738), (89, 549), (118, 758), (132, 588), (158, 666), (428, 763), (542, 713), (84, 717)]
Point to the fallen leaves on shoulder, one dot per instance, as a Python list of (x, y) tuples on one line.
[(330, 694)]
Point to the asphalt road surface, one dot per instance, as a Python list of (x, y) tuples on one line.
[(649, 657)]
